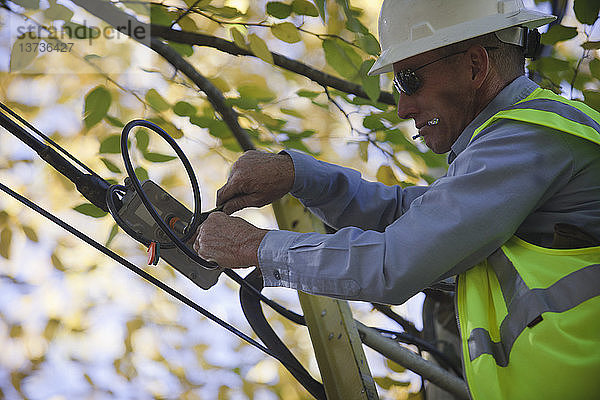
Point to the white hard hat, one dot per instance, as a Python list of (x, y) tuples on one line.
[(411, 27)]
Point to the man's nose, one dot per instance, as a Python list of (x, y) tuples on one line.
[(407, 107)]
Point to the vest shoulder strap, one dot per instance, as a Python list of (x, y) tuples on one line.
[(543, 107)]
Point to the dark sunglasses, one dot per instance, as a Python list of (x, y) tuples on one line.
[(408, 82)]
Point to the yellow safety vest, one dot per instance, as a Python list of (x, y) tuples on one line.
[(530, 316)]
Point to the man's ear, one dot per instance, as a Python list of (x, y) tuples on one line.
[(479, 64)]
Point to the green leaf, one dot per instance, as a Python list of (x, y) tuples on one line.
[(342, 58), (354, 25), (183, 49), (156, 101), (245, 103), (142, 139), (238, 38), (373, 122), (219, 129), (114, 121), (369, 44), (261, 93), (90, 210), (304, 7), (110, 165), (592, 99), (226, 12), (591, 45), (111, 235), (24, 51), (279, 10), (111, 145), (184, 109), (141, 174), (297, 144), (291, 112), (58, 12), (157, 157), (160, 16), (551, 64), (286, 31), (231, 144), (202, 121), (259, 48), (595, 68), (558, 33), (167, 126), (308, 93), (97, 103), (586, 11), (5, 242), (370, 83)]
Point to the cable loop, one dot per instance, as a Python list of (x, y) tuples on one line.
[(194, 223)]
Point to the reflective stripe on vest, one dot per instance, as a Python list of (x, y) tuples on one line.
[(545, 108), (525, 306)]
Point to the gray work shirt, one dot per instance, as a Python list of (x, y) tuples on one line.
[(514, 178)]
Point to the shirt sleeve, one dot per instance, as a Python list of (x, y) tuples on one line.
[(340, 197), (490, 188)]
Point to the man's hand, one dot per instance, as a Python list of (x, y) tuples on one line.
[(256, 179), (229, 241)]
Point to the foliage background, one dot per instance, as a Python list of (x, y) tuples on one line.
[(74, 324)]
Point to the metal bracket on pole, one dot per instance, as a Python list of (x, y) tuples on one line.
[(333, 332)]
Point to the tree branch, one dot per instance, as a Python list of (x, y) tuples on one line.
[(117, 18), (284, 62)]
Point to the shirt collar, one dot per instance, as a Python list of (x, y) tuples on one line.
[(515, 91)]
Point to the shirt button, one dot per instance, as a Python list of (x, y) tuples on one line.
[(277, 275)]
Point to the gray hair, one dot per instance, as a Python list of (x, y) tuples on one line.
[(508, 60)]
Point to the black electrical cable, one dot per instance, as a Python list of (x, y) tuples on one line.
[(47, 139), (253, 311), (194, 223), (142, 274)]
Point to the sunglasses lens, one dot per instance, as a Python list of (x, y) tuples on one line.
[(407, 82)]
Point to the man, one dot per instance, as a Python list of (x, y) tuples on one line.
[(522, 185)]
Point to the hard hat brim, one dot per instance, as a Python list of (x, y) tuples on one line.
[(457, 33)]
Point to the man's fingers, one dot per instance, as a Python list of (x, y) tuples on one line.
[(237, 203), (228, 191)]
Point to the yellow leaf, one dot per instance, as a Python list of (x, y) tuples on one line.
[(260, 49), (57, 263), (30, 233), (16, 330), (386, 175), (51, 328), (5, 241), (363, 150), (238, 38)]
